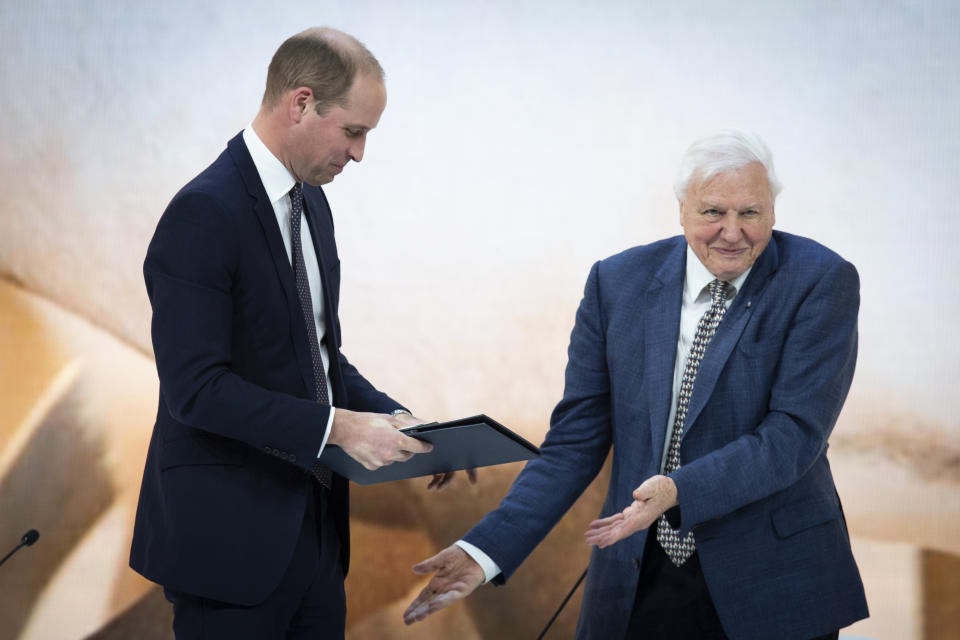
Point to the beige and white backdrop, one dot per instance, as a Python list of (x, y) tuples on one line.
[(521, 142)]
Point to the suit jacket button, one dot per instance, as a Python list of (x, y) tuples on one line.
[(292, 457), (266, 449), (275, 452)]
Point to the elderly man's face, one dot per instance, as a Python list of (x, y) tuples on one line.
[(728, 219)]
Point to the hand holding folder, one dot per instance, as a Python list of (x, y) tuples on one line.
[(468, 443)]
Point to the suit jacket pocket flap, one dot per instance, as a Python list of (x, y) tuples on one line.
[(184, 451), (798, 516)]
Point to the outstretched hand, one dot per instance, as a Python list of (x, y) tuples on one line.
[(650, 500), (457, 576)]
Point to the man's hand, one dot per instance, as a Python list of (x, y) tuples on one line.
[(372, 439), (439, 480), (651, 500), (457, 577)]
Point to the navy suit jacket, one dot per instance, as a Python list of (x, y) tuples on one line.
[(755, 486), (238, 426)]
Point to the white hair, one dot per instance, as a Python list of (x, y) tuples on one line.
[(725, 150)]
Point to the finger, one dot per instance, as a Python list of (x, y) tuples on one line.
[(603, 540), (606, 522), (420, 607), (440, 480), (416, 614), (419, 610), (472, 476), (445, 479), (417, 603), (600, 530), (595, 541), (592, 535)]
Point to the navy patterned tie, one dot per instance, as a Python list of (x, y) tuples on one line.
[(677, 549), (321, 472)]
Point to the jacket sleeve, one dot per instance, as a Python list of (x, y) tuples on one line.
[(571, 455), (361, 394)]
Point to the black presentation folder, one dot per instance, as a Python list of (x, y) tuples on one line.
[(478, 441)]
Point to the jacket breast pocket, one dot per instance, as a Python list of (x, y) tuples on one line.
[(799, 516)]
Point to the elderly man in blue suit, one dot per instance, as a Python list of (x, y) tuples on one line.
[(245, 531), (715, 364)]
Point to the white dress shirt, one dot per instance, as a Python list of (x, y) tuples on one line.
[(277, 182), (696, 302)]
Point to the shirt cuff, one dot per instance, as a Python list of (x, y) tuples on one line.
[(490, 568), (326, 434)]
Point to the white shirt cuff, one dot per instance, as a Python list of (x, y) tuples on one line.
[(490, 568), (326, 434)]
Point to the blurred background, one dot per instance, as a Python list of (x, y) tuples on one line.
[(522, 141)]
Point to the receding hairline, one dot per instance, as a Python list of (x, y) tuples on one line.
[(349, 47), (355, 60)]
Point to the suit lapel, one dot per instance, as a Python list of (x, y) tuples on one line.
[(729, 332), (263, 209), (662, 332)]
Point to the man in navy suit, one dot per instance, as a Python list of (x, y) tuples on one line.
[(715, 364), (247, 534)]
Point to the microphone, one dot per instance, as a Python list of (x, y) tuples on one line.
[(28, 539)]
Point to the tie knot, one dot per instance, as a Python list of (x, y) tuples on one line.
[(719, 290)]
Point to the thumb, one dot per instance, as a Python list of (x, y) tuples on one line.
[(642, 493), (429, 565), (413, 445)]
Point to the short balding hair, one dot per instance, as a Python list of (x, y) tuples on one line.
[(725, 150), (323, 59)]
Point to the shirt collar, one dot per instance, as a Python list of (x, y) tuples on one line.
[(276, 180), (698, 277)]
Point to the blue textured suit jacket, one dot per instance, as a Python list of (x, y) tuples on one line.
[(227, 473), (755, 485)]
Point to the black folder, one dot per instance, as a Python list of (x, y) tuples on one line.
[(478, 441)]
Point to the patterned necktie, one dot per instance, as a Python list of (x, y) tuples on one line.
[(679, 551), (321, 472)]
